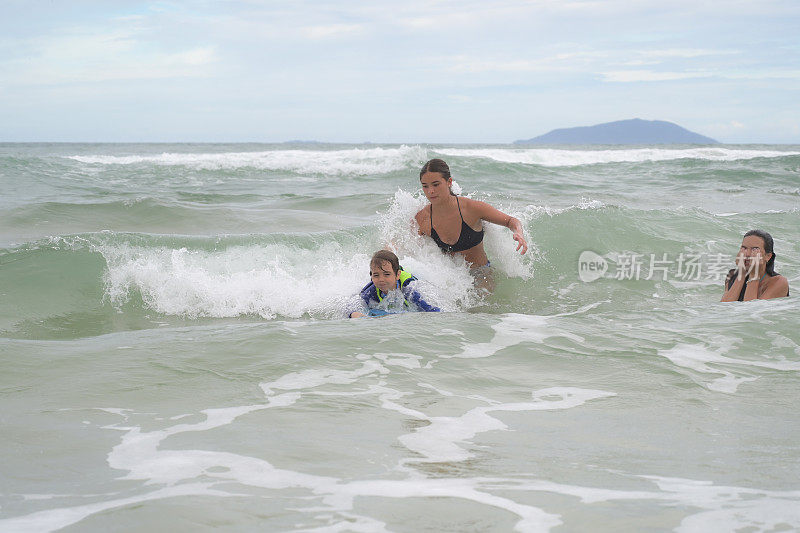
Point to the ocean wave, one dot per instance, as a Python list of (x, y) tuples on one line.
[(167, 215), (354, 161), (548, 157), (271, 276), (786, 191), (292, 275)]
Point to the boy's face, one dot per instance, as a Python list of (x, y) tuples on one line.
[(384, 277)]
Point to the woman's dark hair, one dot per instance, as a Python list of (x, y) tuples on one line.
[(768, 248), (384, 255), (437, 165)]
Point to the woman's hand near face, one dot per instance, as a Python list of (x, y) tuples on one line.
[(758, 265), (741, 268)]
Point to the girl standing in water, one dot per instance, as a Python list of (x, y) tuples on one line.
[(455, 223)]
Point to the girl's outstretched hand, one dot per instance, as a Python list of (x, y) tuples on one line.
[(521, 242)]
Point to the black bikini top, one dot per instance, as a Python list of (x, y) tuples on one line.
[(732, 279), (466, 239)]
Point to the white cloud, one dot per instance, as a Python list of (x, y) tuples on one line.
[(459, 98), (628, 76), (419, 23), (765, 75), (725, 129), (85, 56), (592, 61), (686, 52), (639, 63), (557, 63), (331, 31), (569, 56), (596, 54), (463, 65), (195, 57)]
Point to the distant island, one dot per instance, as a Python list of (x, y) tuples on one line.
[(633, 131)]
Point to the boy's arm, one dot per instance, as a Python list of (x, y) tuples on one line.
[(360, 307), (415, 298), (356, 308)]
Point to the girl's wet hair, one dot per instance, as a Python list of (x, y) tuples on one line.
[(768, 248), (384, 255), (437, 165)]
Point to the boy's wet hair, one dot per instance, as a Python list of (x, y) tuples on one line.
[(384, 255)]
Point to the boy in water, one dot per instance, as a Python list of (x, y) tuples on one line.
[(390, 287)]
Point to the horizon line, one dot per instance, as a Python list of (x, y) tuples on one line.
[(515, 143)]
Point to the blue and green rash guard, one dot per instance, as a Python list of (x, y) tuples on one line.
[(372, 296)]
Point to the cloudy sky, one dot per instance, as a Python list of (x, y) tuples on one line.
[(409, 71)]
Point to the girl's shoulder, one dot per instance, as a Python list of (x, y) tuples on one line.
[(465, 201), (778, 280), (423, 220), (475, 210), (777, 287), (425, 212), (473, 206)]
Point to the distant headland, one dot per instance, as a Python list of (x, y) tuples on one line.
[(633, 131)]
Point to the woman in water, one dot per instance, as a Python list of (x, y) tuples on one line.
[(754, 277), (456, 223)]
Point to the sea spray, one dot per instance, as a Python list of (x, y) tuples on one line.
[(550, 157), (325, 161)]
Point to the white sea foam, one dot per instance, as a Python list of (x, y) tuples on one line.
[(142, 455), (309, 379), (566, 158), (264, 280), (532, 212), (722, 508), (189, 472), (440, 441), (699, 358), (54, 519), (354, 161), (730, 508), (513, 329), (282, 279), (267, 280), (379, 160)]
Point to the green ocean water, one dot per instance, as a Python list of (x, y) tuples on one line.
[(174, 352)]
